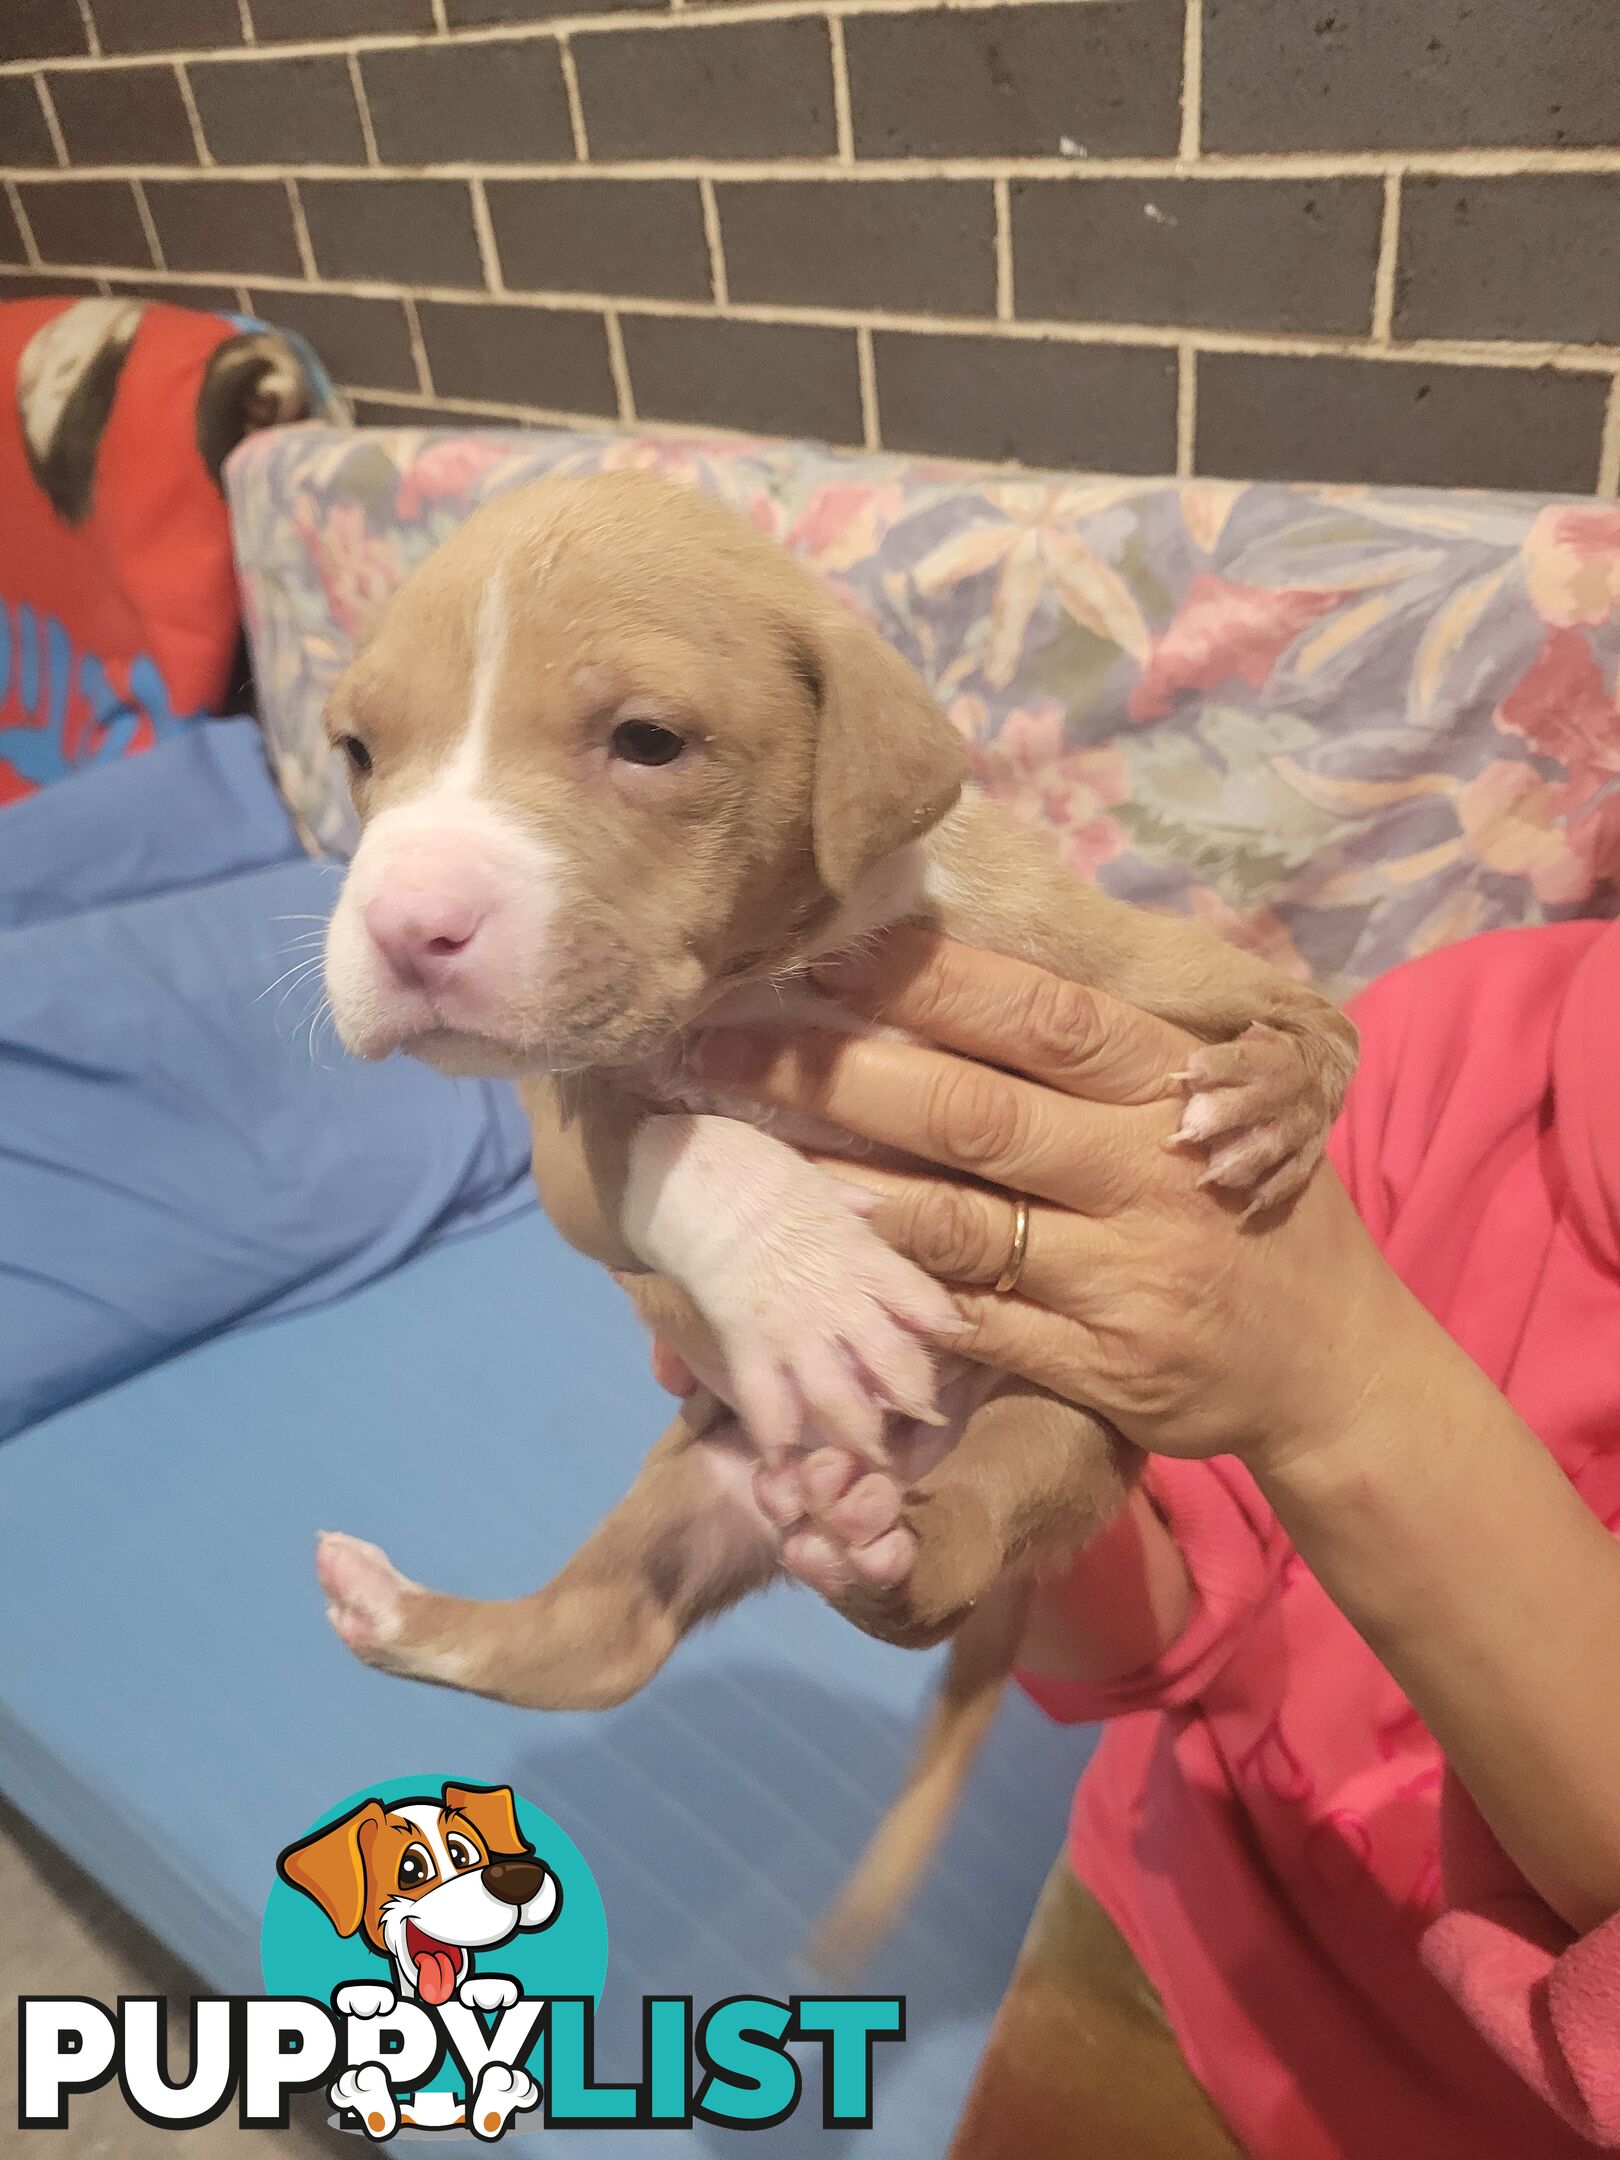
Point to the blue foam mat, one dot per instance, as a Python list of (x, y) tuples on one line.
[(174, 1708)]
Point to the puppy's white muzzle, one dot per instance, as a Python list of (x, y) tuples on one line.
[(443, 930)]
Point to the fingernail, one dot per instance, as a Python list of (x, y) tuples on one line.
[(733, 1054)]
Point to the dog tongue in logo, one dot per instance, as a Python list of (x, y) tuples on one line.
[(436, 1966)]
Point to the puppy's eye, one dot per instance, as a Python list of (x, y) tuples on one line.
[(461, 1853), (415, 1868), (358, 755), (644, 742)]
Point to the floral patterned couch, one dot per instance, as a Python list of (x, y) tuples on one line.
[(1343, 725)]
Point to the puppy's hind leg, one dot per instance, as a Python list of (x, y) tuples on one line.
[(684, 1543)]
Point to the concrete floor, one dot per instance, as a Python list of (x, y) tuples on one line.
[(60, 1935)]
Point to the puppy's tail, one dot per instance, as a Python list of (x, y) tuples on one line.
[(888, 1872)]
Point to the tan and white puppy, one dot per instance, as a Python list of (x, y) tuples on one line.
[(625, 770), (428, 1883)]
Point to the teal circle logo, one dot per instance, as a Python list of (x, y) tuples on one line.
[(439, 1891)]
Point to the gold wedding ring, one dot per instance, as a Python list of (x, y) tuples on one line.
[(1013, 1266)]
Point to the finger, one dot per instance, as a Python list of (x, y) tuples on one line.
[(1011, 1014), (968, 1117), (1016, 1336), (963, 1234)]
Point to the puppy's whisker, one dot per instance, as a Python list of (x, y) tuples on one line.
[(322, 1014), (293, 976)]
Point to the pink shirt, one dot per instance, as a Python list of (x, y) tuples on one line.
[(1352, 1965)]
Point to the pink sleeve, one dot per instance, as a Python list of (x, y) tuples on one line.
[(1546, 2000), (1234, 1551)]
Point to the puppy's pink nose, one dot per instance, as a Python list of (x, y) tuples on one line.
[(422, 935)]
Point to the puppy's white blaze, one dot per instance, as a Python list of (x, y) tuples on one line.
[(465, 772)]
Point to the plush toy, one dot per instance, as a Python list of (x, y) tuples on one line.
[(118, 614)]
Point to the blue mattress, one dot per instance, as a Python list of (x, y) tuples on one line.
[(173, 1708)]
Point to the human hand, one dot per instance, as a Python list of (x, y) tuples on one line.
[(1141, 1296)]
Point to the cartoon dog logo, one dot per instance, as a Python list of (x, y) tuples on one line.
[(428, 1882)]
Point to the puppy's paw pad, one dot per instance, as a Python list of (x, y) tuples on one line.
[(885, 1562), (848, 1531), (862, 1509), (364, 1999), (488, 1991), (365, 2092), (502, 2092), (365, 1593)]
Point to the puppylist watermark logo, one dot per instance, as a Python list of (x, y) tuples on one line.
[(434, 1952)]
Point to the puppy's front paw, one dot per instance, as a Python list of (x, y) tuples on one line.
[(366, 1595), (365, 1999), (366, 2093), (1262, 1107), (822, 1326), (488, 1991), (501, 2093)]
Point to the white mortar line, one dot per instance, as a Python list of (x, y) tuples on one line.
[(250, 35), (419, 353), (1186, 409), (91, 33), (576, 106), (30, 245), (623, 390), (529, 415), (148, 225), (1389, 252), (1608, 480), (306, 247), (1192, 79), (47, 105), (1453, 352), (643, 18), (843, 115), (494, 409), (1004, 251), (712, 234), (244, 301), (441, 21), (488, 253), (1456, 164), (188, 98), (368, 133), (866, 361)]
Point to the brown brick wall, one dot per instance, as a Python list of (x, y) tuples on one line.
[(1334, 239)]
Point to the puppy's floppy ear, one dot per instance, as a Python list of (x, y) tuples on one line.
[(888, 764), (490, 1810), (330, 1866)]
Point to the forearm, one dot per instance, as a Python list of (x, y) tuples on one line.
[(1450, 1538), (1114, 1607)]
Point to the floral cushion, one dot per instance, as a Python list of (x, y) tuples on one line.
[(1342, 725)]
